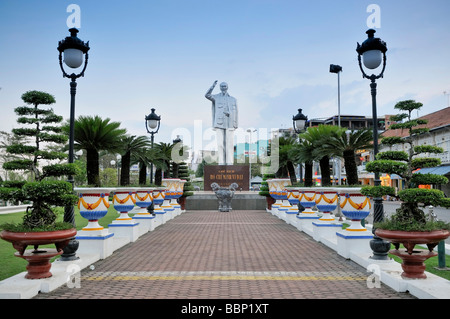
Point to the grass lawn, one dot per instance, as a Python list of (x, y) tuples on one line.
[(11, 265)]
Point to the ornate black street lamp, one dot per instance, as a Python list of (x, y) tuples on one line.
[(152, 123), (299, 124), (373, 52), (74, 51)]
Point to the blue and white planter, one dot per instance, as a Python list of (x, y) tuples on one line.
[(93, 204), (307, 198), (355, 207), (124, 201), (144, 198), (170, 203), (292, 197), (159, 194), (326, 202), (278, 192)]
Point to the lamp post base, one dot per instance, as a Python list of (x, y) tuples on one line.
[(70, 250), (380, 249)]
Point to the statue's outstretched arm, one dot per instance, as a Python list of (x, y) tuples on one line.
[(208, 93)]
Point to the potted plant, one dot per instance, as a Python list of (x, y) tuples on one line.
[(188, 189), (43, 190), (264, 190), (409, 225)]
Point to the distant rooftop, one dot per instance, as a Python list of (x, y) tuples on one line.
[(436, 120)]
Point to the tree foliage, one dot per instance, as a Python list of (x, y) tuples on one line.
[(94, 134), (404, 163), (38, 159)]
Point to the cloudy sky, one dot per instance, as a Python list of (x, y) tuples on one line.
[(274, 55)]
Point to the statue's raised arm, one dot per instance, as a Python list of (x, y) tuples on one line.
[(208, 93)]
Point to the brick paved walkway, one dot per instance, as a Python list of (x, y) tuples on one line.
[(235, 255)]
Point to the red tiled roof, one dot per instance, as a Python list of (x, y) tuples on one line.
[(436, 119)]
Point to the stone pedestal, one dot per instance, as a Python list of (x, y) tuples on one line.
[(349, 242), (325, 230), (304, 222), (291, 216), (95, 244), (146, 223), (128, 230), (161, 217)]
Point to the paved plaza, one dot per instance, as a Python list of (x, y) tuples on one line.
[(244, 254)]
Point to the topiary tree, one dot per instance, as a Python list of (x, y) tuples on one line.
[(183, 173), (403, 163), (264, 190), (45, 190)]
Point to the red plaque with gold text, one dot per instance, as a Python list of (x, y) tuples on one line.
[(225, 175)]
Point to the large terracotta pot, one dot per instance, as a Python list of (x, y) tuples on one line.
[(182, 202), (413, 259), (270, 201), (38, 259), (179, 192), (273, 193)]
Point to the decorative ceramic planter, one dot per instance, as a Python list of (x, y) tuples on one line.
[(38, 259), (124, 200), (307, 198), (413, 259), (285, 205), (158, 199), (326, 202), (170, 202), (93, 204), (355, 206), (292, 198), (273, 194), (306, 218), (278, 192), (293, 195), (144, 198), (179, 192)]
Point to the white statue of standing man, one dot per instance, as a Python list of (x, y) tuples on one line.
[(224, 121)]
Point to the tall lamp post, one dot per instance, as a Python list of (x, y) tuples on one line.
[(75, 52), (373, 52), (152, 123), (299, 124), (250, 157), (334, 68)]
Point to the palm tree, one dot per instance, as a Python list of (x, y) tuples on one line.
[(319, 136), (303, 153), (165, 150), (155, 157), (133, 148), (286, 143), (346, 144), (95, 134)]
